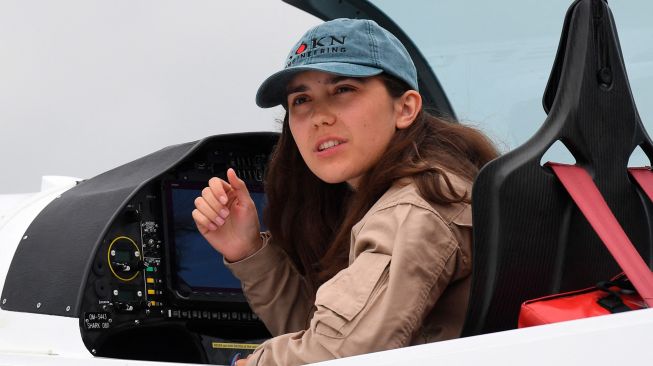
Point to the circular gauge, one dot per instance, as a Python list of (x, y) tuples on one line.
[(124, 258)]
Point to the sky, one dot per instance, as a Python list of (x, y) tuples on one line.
[(88, 85)]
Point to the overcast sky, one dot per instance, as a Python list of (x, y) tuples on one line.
[(87, 85)]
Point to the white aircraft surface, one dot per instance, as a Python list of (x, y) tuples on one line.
[(32, 339), (85, 296)]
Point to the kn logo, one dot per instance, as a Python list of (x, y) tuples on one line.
[(302, 47), (318, 46), (320, 42)]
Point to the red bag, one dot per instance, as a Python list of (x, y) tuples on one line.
[(615, 296), (609, 297)]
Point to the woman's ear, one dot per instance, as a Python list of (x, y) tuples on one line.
[(407, 107)]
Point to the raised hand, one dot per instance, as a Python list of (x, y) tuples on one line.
[(226, 216)]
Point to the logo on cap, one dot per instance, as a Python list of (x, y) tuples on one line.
[(318, 46), (302, 47)]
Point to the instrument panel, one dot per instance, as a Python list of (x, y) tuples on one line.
[(155, 279), (121, 253)]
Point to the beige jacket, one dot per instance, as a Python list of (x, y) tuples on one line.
[(407, 283)]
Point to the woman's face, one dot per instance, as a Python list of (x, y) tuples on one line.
[(341, 125)]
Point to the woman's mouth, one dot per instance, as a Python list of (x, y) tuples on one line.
[(328, 144)]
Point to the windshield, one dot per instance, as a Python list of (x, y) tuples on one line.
[(493, 59)]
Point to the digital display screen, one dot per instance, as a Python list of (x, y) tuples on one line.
[(122, 256), (196, 264), (126, 295)]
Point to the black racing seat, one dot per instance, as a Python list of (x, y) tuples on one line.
[(529, 238)]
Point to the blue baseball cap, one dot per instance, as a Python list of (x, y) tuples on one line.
[(347, 47)]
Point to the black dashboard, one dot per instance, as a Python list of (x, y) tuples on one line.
[(121, 252)]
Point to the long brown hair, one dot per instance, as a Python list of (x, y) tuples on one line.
[(312, 220)]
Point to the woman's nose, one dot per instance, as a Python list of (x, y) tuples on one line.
[(322, 116)]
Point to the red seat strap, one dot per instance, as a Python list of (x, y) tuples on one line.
[(589, 200), (643, 177)]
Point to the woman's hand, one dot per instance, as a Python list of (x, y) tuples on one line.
[(226, 216)]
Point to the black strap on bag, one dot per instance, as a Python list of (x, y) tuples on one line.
[(614, 302)]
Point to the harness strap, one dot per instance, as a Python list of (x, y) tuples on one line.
[(591, 203), (644, 177)]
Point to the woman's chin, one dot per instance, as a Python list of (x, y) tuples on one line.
[(331, 178)]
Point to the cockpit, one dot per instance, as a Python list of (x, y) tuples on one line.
[(121, 253)]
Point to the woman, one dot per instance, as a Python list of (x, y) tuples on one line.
[(369, 246)]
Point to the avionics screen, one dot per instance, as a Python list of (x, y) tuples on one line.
[(197, 266)]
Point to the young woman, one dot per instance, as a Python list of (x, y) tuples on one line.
[(369, 246)]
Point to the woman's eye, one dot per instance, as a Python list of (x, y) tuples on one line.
[(299, 100), (343, 89)]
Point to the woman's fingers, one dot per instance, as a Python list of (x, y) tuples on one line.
[(220, 189), (212, 207), (238, 185), (201, 228), (225, 213), (206, 210), (204, 225), (212, 201)]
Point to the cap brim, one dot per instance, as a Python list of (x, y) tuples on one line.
[(272, 91)]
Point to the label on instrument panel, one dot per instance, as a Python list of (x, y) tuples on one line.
[(97, 321), (225, 345)]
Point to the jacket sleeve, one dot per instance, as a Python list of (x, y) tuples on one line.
[(277, 293), (405, 258)]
